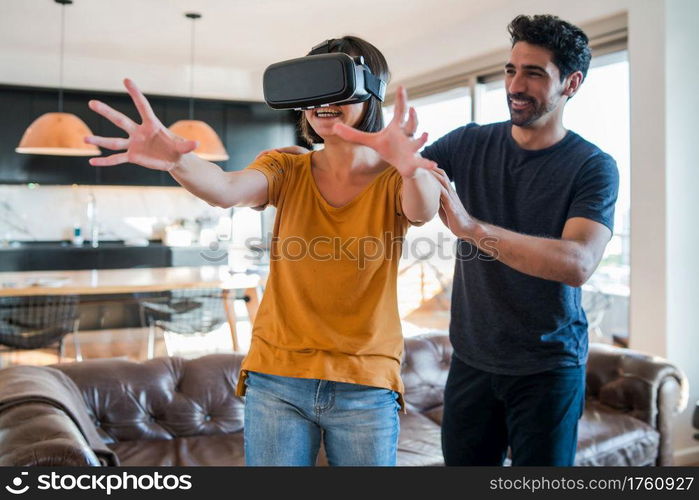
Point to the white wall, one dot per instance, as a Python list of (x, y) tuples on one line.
[(682, 190), (664, 205), (41, 70)]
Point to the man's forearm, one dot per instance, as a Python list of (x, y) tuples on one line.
[(559, 260), (420, 196)]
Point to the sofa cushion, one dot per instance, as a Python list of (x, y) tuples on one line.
[(424, 370), (608, 437), (419, 442), (221, 449), (605, 437)]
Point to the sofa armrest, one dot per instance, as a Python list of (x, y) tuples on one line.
[(39, 434), (646, 387)]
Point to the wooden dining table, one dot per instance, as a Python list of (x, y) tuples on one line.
[(138, 280)]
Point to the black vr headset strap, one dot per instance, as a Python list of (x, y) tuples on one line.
[(375, 85), (324, 47)]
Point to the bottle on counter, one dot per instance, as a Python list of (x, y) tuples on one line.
[(92, 221), (77, 238)]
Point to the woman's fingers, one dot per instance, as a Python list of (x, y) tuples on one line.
[(353, 135), (142, 104), (108, 161), (420, 141), (410, 126), (119, 119), (399, 107), (107, 142)]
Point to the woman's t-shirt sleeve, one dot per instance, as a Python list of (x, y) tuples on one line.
[(276, 169)]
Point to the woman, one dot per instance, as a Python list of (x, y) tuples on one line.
[(324, 359)]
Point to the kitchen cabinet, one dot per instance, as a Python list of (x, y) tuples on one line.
[(245, 128), (47, 256)]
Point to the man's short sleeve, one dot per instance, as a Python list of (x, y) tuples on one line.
[(595, 191), (440, 153), (444, 150), (275, 168)]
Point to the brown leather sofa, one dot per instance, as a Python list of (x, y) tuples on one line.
[(171, 411)]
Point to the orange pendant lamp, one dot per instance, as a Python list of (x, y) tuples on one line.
[(58, 133), (210, 146)]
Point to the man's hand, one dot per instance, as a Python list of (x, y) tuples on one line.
[(451, 210), (149, 144), (293, 150), (395, 143)]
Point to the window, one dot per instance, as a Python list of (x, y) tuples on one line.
[(493, 102), (599, 112), (427, 268)]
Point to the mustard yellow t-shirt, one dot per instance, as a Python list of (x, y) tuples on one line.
[(330, 308)]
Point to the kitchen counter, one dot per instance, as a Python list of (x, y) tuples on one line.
[(111, 281), (19, 245), (57, 255)]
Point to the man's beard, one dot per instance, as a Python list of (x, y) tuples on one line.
[(527, 116)]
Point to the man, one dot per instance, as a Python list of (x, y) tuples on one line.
[(533, 209)]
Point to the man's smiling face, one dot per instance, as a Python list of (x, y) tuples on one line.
[(533, 85)]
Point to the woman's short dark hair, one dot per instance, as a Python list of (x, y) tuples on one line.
[(372, 121), (568, 43)]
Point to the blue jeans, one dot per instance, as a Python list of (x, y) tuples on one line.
[(286, 418), (536, 415)]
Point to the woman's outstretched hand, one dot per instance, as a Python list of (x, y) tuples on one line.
[(149, 144), (395, 143)]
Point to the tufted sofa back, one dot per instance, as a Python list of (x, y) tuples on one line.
[(164, 398), (160, 398)]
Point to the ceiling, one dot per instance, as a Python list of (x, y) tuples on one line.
[(238, 37), (245, 34)]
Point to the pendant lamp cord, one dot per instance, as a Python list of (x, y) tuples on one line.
[(191, 73), (60, 71)]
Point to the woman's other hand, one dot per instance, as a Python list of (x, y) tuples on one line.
[(395, 143)]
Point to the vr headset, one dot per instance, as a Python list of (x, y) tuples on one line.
[(320, 79)]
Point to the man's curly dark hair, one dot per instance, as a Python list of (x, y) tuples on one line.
[(568, 43)]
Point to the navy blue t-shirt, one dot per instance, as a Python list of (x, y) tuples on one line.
[(504, 321)]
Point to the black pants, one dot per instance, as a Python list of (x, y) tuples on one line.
[(536, 415)]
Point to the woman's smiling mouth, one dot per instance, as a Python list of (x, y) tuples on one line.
[(327, 113)]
